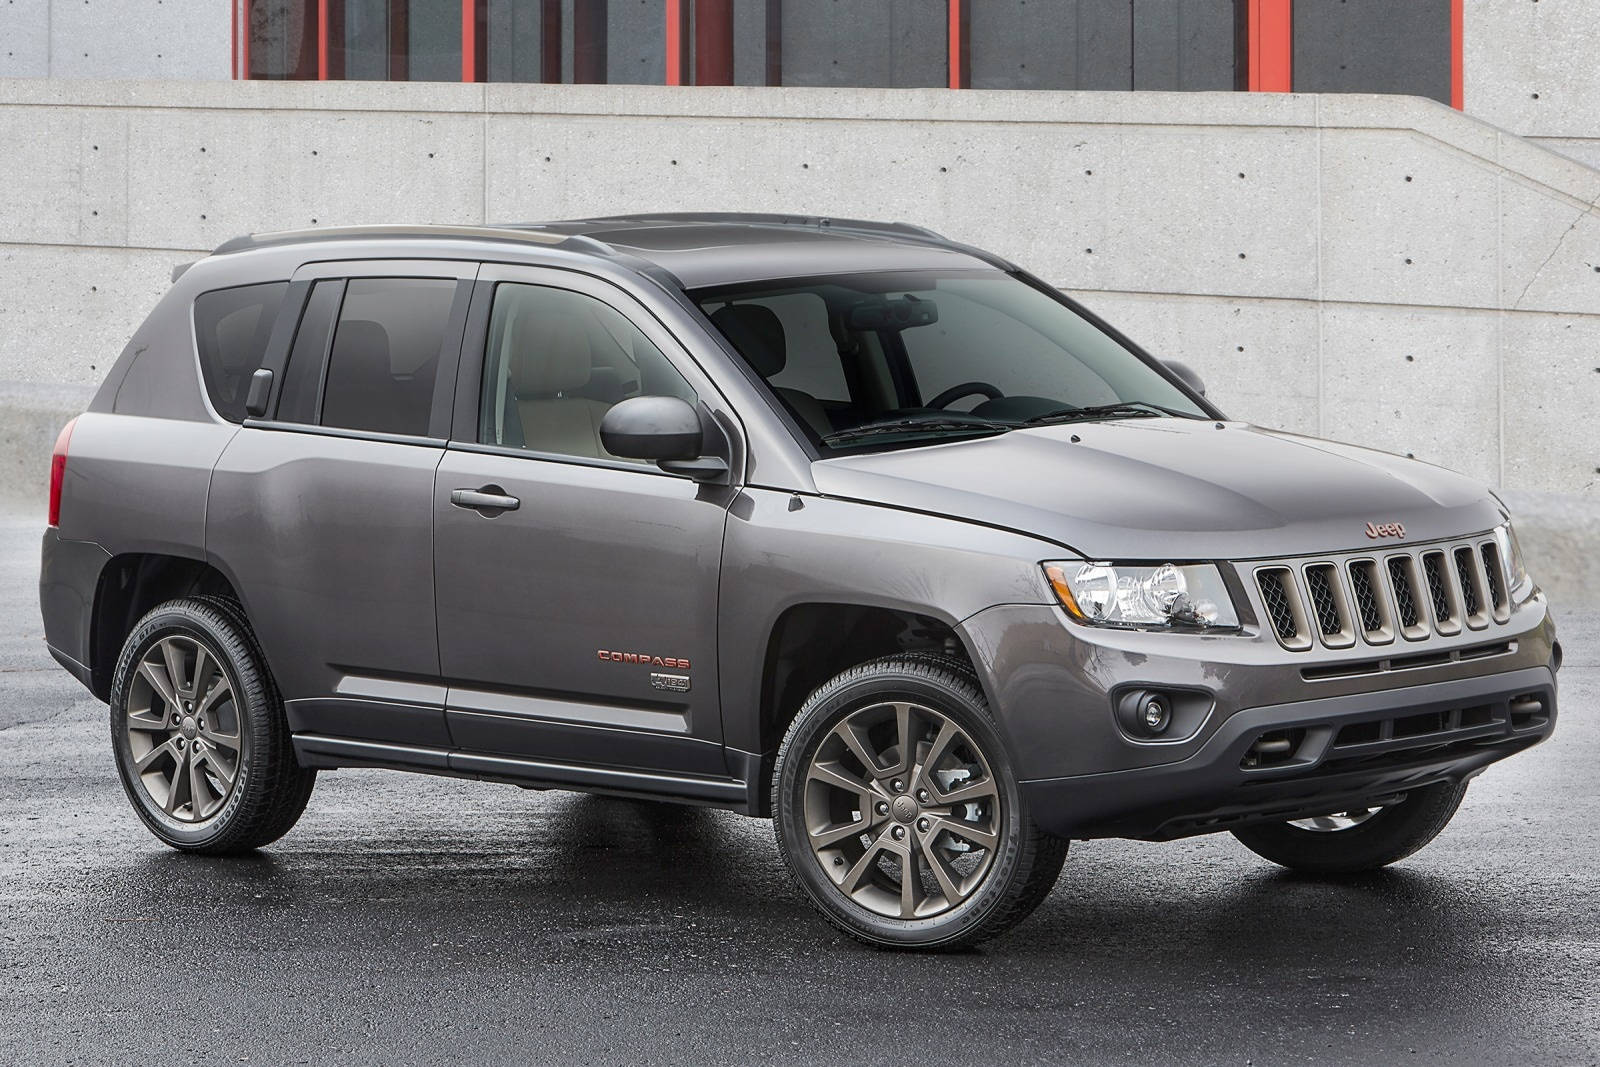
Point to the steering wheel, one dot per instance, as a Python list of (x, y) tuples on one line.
[(956, 392)]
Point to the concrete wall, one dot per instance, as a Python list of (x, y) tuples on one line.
[(1374, 269), (116, 39), (1530, 67)]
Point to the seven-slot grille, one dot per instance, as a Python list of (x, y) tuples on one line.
[(1373, 598)]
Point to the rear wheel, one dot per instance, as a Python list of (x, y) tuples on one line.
[(198, 731), (1362, 839), (897, 811)]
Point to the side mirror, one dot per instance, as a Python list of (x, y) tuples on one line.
[(260, 391), (665, 429), (1186, 375)]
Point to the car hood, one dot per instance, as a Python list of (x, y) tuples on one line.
[(1168, 488)]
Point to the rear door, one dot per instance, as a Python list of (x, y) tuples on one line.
[(579, 628), (321, 512)]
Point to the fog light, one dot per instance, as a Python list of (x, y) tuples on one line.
[(1155, 714), (1148, 714)]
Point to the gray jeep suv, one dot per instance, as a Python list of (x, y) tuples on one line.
[(834, 522)]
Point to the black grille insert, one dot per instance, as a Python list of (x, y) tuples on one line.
[(1469, 584), (1363, 579), (1319, 580), (1433, 568), (1275, 593), (1405, 599), (1491, 570)]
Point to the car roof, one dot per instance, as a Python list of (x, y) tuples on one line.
[(697, 250)]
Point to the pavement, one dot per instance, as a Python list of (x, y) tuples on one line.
[(412, 919)]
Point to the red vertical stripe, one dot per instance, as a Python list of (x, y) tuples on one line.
[(1457, 50), (244, 38), (958, 36), (322, 40), (677, 42), (713, 42), (469, 40), (1271, 34)]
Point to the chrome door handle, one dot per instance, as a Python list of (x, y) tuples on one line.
[(489, 498)]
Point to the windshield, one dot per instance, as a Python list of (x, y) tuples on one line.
[(887, 359)]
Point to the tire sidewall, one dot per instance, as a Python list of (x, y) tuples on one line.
[(189, 620), (824, 711)]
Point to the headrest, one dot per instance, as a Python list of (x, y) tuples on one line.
[(548, 354), (757, 332), (365, 341)]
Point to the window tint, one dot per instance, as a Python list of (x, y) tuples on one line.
[(302, 379), (556, 361), (231, 327), (385, 356)]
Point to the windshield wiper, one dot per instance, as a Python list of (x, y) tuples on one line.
[(1121, 409), (917, 424)]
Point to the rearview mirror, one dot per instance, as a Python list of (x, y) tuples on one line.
[(664, 429), (1187, 375), (901, 314)]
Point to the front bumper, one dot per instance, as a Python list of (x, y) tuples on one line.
[(1345, 750)]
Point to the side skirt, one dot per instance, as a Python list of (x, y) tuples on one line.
[(320, 751)]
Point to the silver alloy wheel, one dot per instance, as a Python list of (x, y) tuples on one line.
[(1329, 824), (902, 810), (184, 729)]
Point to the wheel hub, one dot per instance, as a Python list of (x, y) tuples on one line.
[(183, 729), (902, 810)]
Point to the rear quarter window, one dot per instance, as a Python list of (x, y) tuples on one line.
[(231, 328)]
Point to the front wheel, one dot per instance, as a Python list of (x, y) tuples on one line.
[(897, 811), (1363, 839), (199, 734)]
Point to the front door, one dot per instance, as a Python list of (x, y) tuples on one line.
[(577, 621)]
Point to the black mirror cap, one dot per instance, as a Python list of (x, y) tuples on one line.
[(1187, 375), (654, 428), (259, 393)]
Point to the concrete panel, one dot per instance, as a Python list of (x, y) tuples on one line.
[(140, 39), (1555, 265), (199, 181), (1414, 381), (1530, 67), (1258, 357), (25, 39), (1551, 369), (68, 312), (1406, 220), (31, 416), (1585, 150)]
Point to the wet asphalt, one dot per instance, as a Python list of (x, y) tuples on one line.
[(412, 919)]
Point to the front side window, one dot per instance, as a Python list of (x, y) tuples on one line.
[(556, 362), (231, 328), (384, 362), (892, 358)]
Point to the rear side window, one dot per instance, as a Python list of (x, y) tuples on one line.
[(231, 328), (384, 362)]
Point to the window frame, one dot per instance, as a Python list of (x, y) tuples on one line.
[(295, 303), (469, 385)]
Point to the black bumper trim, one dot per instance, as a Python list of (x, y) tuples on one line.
[(1210, 790)]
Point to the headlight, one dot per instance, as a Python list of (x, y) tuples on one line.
[(1505, 538), (1173, 596)]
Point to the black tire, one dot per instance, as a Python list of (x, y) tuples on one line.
[(270, 789), (1388, 836), (1025, 862)]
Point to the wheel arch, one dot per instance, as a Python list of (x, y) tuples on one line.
[(130, 585), (812, 642)]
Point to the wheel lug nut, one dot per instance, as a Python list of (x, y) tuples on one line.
[(922, 796), (883, 808), (899, 832), (922, 826), (899, 786)]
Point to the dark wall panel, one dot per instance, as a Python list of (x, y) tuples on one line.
[(1373, 46), (869, 43), (1183, 45), (1051, 44)]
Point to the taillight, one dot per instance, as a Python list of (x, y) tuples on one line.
[(58, 471)]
